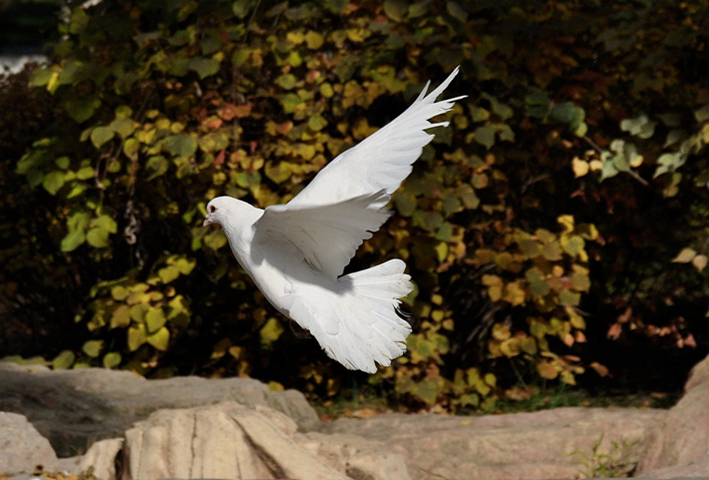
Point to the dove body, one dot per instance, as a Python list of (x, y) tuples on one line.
[(296, 253)]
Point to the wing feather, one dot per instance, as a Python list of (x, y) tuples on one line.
[(382, 160), (327, 236)]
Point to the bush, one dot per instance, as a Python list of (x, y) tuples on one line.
[(524, 263)]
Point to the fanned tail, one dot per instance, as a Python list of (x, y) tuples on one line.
[(359, 324)]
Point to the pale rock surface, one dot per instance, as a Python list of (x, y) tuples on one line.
[(358, 457), (681, 442), (22, 448), (231, 441), (101, 457), (73, 407), (529, 446)]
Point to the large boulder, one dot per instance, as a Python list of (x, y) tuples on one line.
[(22, 448), (678, 446), (231, 441), (539, 445), (73, 407)]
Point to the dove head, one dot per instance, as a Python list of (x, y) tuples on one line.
[(228, 212)]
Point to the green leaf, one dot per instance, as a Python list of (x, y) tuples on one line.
[(122, 126), (569, 298), (406, 203), (160, 339), (204, 67), (156, 166), (53, 181), (97, 237), (702, 115), (131, 147), (396, 9), (137, 336), (580, 282), (640, 126), (112, 360), (317, 123), (155, 319), (181, 145), (105, 222), (120, 317), (92, 348), (314, 40), (64, 360), (62, 162), (73, 240), (85, 173), (215, 239), (81, 109), (537, 105), (168, 274), (563, 112), (287, 81), (485, 136), (101, 135), (124, 111), (241, 8)]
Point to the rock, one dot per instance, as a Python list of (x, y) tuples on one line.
[(683, 437), (73, 407), (101, 458), (697, 468), (357, 457), (22, 448), (227, 441), (538, 445)]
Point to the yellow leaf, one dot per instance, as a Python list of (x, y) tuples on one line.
[(295, 37), (500, 331), (155, 319), (547, 370), (566, 221), (600, 369), (136, 337), (511, 347), (685, 256), (699, 262), (120, 317), (160, 339), (514, 294), (314, 40), (271, 330), (596, 165), (580, 167)]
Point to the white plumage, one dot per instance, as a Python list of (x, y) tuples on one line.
[(296, 252)]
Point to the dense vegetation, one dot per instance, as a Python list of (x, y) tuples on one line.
[(557, 231)]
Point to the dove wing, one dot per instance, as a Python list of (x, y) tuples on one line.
[(326, 236), (382, 160)]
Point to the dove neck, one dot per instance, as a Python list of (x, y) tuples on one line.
[(238, 226)]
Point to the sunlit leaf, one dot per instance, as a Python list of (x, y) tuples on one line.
[(159, 339), (112, 360), (64, 360), (685, 255), (93, 348)]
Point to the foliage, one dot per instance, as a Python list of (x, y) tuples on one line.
[(619, 462), (524, 257)]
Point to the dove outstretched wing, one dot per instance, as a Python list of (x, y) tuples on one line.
[(382, 160)]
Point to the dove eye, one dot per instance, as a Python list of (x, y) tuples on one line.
[(212, 208)]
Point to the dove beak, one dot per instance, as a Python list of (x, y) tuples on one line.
[(207, 222)]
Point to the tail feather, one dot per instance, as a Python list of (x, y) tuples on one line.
[(362, 325)]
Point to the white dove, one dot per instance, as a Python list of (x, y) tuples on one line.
[(296, 252)]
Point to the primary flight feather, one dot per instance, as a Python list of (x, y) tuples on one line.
[(296, 252)]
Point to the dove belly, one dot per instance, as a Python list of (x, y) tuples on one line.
[(354, 319)]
